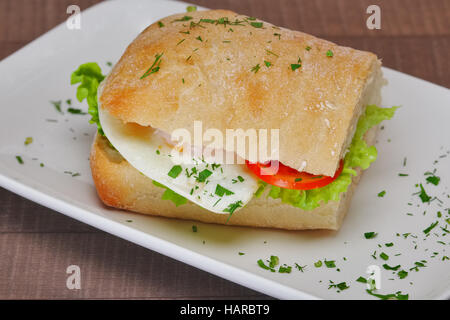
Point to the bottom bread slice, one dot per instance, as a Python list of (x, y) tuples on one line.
[(121, 186)]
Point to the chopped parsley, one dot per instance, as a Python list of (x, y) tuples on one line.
[(171, 195), (239, 178), (194, 228), (185, 18), (262, 265), (340, 286), (431, 227), (397, 296), (212, 21), (362, 280), (57, 105), (199, 39), (329, 53), (154, 67), (256, 24), (193, 171), (384, 256), (221, 191), (418, 264), (423, 195), (76, 111), (256, 68), (370, 235), (267, 63), (19, 159), (160, 24), (28, 140), (241, 253), (203, 175), (388, 267), (232, 208), (382, 193), (270, 52), (73, 174), (274, 261), (225, 21), (433, 179), (284, 269), (295, 66), (307, 48), (191, 8), (330, 264), (175, 171), (318, 264), (299, 267), (402, 274)]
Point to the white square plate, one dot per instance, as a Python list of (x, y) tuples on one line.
[(420, 131)]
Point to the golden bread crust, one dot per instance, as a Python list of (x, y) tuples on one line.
[(206, 74)]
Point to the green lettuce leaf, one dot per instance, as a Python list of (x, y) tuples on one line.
[(359, 155), (89, 75), (171, 195)]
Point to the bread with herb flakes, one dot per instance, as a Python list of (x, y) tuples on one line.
[(231, 71)]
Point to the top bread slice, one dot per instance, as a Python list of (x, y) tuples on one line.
[(231, 71)]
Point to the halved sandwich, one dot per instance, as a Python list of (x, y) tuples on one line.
[(232, 72)]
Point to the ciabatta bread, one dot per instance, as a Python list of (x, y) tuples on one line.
[(231, 71)]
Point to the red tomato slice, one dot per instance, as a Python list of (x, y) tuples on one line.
[(289, 178)]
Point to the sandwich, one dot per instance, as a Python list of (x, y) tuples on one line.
[(223, 72)]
